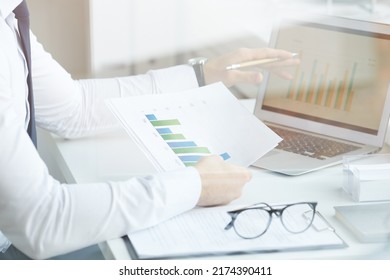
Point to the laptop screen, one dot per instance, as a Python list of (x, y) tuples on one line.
[(341, 81)]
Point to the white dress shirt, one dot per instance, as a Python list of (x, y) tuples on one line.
[(43, 217)]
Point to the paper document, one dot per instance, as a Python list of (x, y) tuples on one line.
[(201, 232), (176, 130)]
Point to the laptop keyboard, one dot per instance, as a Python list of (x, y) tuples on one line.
[(309, 145)]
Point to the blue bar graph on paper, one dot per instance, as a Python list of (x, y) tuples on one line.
[(164, 130), (188, 151), (193, 158), (182, 144), (225, 156), (151, 117)]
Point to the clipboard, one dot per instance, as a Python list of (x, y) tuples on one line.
[(200, 233)]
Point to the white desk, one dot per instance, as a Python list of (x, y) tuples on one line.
[(114, 156)]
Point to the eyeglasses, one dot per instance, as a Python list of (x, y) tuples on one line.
[(252, 222)]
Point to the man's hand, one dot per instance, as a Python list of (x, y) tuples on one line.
[(215, 68), (221, 182)]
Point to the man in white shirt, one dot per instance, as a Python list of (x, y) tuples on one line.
[(44, 218)]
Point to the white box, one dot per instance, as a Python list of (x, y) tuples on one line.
[(367, 178)]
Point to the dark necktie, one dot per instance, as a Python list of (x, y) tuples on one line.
[(22, 15)]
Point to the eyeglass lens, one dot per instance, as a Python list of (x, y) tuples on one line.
[(252, 223), (297, 218)]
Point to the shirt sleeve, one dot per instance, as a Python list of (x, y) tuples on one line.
[(74, 108), (43, 217)]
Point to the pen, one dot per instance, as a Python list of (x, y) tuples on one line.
[(258, 62)]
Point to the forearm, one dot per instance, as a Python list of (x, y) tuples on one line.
[(74, 108), (44, 218), (75, 216), (80, 108)]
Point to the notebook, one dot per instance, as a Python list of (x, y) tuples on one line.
[(337, 102)]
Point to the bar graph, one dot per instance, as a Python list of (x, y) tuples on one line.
[(316, 86), (186, 150), (175, 130)]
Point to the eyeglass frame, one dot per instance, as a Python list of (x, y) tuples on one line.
[(278, 212)]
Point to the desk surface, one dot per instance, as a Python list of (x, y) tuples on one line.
[(114, 156)]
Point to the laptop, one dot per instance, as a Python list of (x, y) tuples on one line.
[(337, 102)]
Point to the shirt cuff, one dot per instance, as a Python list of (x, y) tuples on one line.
[(174, 79), (183, 189)]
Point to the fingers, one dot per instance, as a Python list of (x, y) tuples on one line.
[(283, 63), (252, 77), (215, 69), (255, 77), (253, 54)]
